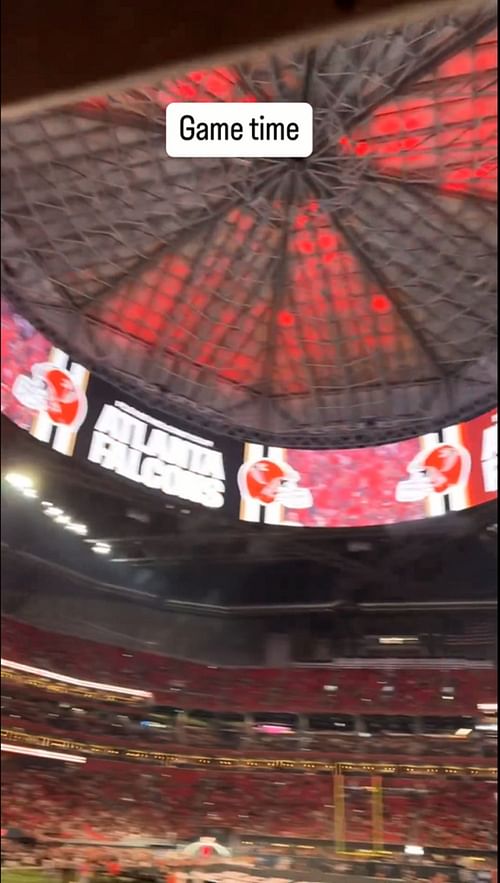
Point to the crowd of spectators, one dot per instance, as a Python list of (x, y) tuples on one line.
[(113, 804), (112, 801), (298, 689), (321, 712)]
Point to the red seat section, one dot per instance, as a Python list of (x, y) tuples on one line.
[(298, 689), (104, 801)]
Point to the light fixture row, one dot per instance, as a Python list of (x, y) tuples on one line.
[(25, 485), (59, 517)]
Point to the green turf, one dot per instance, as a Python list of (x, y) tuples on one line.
[(23, 875), (35, 875)]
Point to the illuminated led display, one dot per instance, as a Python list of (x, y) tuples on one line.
[(62, 405)]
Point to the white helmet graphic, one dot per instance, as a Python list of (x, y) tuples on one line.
[(435, 471), (270, 482)]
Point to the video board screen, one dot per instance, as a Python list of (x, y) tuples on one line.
[(63, 405), (422, 477)]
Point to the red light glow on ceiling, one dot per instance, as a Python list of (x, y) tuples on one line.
[(212, 312), (411, 136)]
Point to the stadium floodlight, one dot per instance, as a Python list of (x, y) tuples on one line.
[(62, 519), (80, 529), (19, 481), (101, 548), (53, 512), (30, 492)]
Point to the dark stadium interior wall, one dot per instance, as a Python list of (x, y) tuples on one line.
[(25, 528), (47, 600), (51, 599), (100, 616)]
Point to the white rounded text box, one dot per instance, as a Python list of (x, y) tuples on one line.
[(237, 129)]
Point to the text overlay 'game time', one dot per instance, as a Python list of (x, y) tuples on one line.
[(278, 129)]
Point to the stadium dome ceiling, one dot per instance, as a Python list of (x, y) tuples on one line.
[(342, 300)]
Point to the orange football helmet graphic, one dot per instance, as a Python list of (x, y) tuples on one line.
[(52, 390), (436, 470), (268, 481)]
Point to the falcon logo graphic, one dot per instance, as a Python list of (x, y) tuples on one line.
[(267, 481), (53, 391), (435, 471)]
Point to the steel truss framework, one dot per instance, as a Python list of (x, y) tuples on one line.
[(343, 300)]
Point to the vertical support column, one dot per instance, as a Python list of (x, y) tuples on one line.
[(180, 724), (359, 724), (339, 811), (248, 730), (377, 813), (303, 730)]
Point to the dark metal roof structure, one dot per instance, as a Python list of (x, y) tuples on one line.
[(339, 301)]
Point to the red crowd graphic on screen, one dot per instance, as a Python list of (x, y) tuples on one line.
[(47, 394), (22, 347), (267, 481), (435, 471), (53, 391)]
